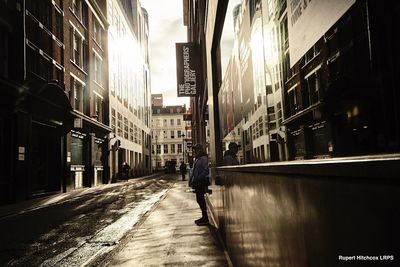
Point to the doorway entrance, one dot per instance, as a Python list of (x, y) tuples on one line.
[(45, 159)]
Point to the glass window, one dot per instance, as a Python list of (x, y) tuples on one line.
[(113, 120), (97, 32), (76, 47), (172, 148), (126, 135), (172, 122), (165, 149), (119, 124), (98, 68), (76, 151), (78, 91), (98, 107), (172, 134), (77, 8), (131, 131)]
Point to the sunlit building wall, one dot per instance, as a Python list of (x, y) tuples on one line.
[(129, 87), (86, 81), (171, 135), (250, 95)]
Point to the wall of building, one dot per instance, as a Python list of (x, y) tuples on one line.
[(129, 90), (280, 214), (171, 134), (86, 83)]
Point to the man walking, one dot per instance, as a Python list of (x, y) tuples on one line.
[(199, 181), (182, 168)]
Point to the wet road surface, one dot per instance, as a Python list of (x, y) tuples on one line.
[(77, 232)]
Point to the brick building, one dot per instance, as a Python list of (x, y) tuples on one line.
[(86, 82)]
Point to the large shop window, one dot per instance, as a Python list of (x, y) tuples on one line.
[(76, 151)]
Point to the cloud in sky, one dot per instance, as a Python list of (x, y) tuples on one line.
[(165, 29)]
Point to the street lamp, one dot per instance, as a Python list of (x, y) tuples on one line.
[(183, 147), (155, 153)]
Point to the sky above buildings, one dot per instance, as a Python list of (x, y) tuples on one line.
[(165, 29)]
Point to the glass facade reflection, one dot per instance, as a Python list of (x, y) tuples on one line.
[(302, 85)]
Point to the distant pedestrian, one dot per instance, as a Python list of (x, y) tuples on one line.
[(199, 181), (230, 157), (125, 170), (183, 170)]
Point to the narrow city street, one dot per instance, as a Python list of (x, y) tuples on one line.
[(81, 230)]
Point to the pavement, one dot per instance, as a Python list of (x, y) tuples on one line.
[(168, 236)]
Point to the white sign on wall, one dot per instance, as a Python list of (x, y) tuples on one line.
[(308, 20)]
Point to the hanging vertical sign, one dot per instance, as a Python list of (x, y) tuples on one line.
[(187, 69)]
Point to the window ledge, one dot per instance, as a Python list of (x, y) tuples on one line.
[(79, 67)]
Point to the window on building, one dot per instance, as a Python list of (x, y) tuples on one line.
[(294, 99), (77, 47), (179, 148), (179, 134), (97, 32), (78, 90), (271, 118), (178, 122), (165, 123), (279, 109), (165, 149), (158, 149), (98, 107), (135, 133), (77, 8), (131, 131), (98, 69), (172, 134), (126, 131), (119, 124), (165, 134), (76, 151), (113, 120), (172, 148), (172, 122), (313, 85)]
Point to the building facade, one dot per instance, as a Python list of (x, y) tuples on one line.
[(329, 82), (129, 98), (289, 99), (35, 109), (171, 136), (86, 82)]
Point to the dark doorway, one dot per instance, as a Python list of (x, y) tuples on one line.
[(45, 159), (274, 150)]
